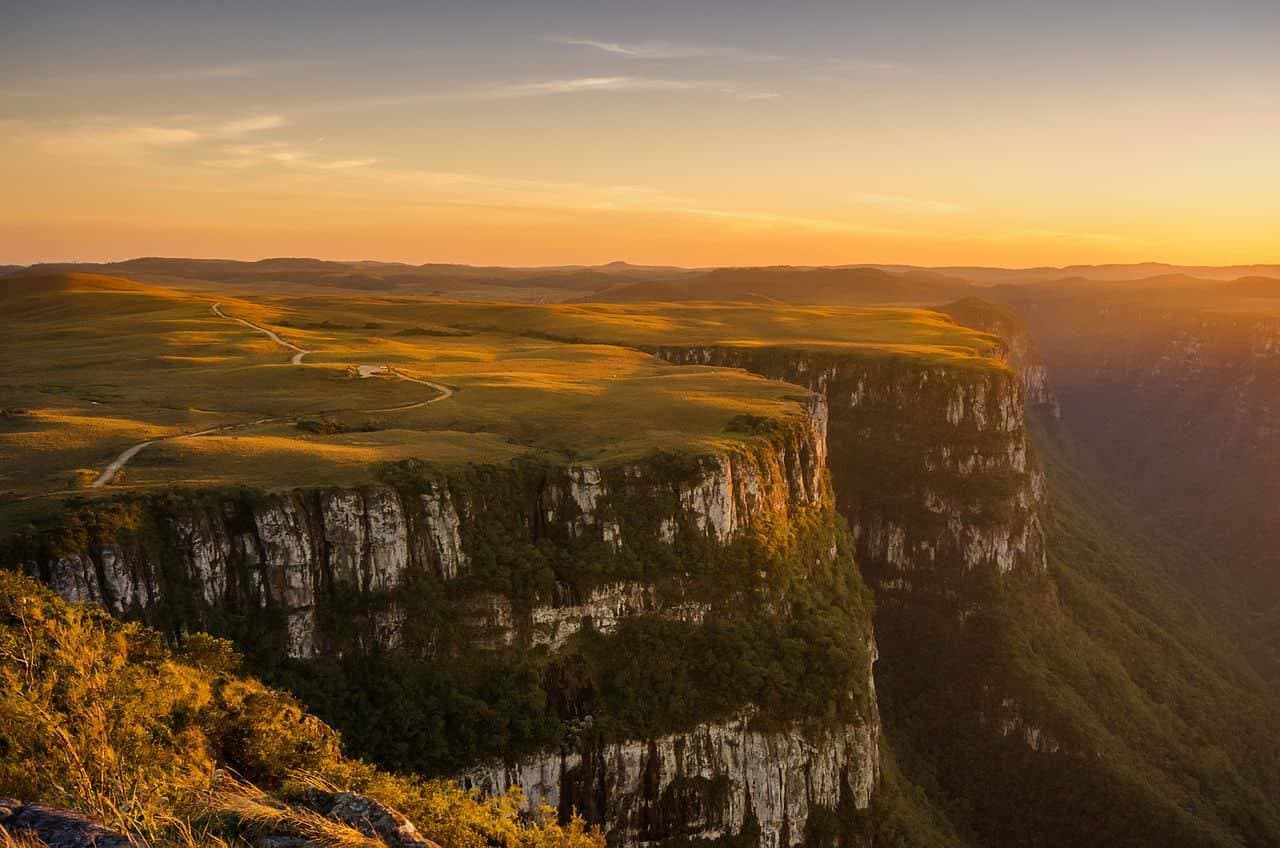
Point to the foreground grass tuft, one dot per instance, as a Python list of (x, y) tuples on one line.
[(177, 749)]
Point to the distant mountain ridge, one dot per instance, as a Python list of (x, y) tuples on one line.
[(622, 282)]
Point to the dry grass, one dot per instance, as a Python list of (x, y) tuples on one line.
[(250, 808), (25, 839)]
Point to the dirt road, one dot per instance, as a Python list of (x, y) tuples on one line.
[(112, 469), (297, 357)]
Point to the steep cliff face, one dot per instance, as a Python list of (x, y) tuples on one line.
[(550, 566), (1022, 353), (287, 552), (932, 462), (715, 780)]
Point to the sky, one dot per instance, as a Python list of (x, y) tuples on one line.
[(702, 132)]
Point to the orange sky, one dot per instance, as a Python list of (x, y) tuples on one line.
[(559, 137)]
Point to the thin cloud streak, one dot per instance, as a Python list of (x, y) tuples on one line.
[(587, 84), (545, 88), (257, 123), (239, 157), (667, 50), (120, 134)]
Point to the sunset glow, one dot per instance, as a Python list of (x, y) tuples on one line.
[(693, 134)]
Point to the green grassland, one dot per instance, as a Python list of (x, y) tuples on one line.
[(872, 329), (93, 365)]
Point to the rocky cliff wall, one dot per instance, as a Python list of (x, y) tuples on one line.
[(444, 567), (715, 780), (1021, 352), (200, 554), (932, 461)]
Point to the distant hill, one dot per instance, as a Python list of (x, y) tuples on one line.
[(1253, 287), (288, 275), (623, 282), (831, 286), (37, 286), (1099, 273)]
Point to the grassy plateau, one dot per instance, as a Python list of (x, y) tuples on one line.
[(96, 365)]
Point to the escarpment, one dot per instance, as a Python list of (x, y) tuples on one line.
[(201, 555), (932, 462), (640, 619), (1022, 353), (716, 779)]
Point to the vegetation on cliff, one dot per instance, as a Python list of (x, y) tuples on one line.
[(101, 717), (1091, 704)]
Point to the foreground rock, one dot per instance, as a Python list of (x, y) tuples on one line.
[(57, 828)]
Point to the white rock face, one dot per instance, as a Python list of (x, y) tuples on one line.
[(710, 501), (585, 489), (603, 609), (981, 432), (444, 529), (126, 589), (207, 552), (286, 544), (388, 540), (777, 778), (75, 578), (345, 536)]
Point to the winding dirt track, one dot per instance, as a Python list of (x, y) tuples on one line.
[(297, 357), (112, 469)]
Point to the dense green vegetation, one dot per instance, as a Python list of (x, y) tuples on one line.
[(1150, 730), (780, 610), (1172, 390), (101, 717)]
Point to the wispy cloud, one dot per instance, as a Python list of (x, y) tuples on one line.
[(585, 84), (545, 88), (344, 164), (257, 123), (119, 134), (102, 137), (660, 50), (279, 153)]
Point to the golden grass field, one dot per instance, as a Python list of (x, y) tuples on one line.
[(94, 365)]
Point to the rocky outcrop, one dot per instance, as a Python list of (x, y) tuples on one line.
[(604, 607), (712, 781), (932, 462), (1021, 352), (371, 818), (57, 828)]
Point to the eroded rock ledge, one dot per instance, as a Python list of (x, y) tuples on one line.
[(715, 780)]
